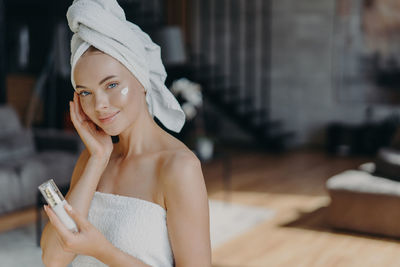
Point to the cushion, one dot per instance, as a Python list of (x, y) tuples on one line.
[(9, 121), (363, 182), (16, 146), (387, 164), (10, 191), (31, 174), (59, 165)]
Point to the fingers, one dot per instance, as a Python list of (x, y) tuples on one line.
[(78, 117), (56, 222), (78, 108), (74, 109), (93, 138), (76, 114), (81, 221), (72, 113)]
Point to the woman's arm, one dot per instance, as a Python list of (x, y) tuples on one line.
[(84, 181), (186, 200), (114, 257)]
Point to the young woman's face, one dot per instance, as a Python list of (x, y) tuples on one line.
[(109, 93)]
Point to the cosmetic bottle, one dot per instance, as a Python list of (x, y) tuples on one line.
[(56, 201)]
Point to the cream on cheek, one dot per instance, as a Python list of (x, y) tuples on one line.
[(124, 91), (119, 97)]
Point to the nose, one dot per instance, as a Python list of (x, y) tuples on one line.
[(101, 102)]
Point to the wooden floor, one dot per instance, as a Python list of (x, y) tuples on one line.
[(292, 184)]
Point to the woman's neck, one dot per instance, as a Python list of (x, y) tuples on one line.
[(139, 138)]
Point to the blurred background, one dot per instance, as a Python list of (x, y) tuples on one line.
[(292, 107)]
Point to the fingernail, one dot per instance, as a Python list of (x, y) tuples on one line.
[(68, 207), (45, 207)]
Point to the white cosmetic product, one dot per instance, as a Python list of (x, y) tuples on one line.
[(57, 202), (124, 91)]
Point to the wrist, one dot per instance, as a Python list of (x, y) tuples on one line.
[(106, 252), (99, 160), (112, 256)]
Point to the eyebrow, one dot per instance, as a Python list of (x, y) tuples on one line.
[(100, 83)]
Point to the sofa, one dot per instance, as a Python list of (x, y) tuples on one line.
[(367, 199), (28, 157)]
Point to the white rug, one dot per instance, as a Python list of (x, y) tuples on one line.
[(18, 248), (227, 221)]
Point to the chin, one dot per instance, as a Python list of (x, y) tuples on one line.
[(115, 129), (112, 132)]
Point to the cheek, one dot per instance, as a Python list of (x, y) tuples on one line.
[(87, 107), (121, 97)]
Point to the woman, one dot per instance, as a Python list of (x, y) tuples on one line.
[(141, 201)]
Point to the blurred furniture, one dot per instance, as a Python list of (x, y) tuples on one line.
[(20, 89), (363, 139), (367, 200), (29, 157)]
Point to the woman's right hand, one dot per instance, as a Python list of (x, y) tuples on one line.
[(98, 143)]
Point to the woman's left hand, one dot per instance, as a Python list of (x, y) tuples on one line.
[(88, 241)]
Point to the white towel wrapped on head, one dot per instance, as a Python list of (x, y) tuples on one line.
[(102, 24)]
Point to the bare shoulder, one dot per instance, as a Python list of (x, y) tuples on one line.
[(180, 163), (182, 180)]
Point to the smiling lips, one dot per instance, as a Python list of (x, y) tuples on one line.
[(108, 118)]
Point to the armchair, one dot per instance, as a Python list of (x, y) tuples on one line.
[(29, 157)]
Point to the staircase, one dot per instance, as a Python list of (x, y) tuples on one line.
[(267, 134), (231, 58)]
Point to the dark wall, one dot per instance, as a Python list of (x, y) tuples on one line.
[(39, 17), (2, 55)]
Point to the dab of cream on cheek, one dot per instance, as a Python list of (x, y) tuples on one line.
[(124, 91)]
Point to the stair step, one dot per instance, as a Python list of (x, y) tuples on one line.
[(228, 93), (240, 108), (237, 100), (257, 112), (277, 142), (258, 116), (280, 135), (266, 126)]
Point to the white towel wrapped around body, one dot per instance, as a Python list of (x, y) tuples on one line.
[(102, 24)]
